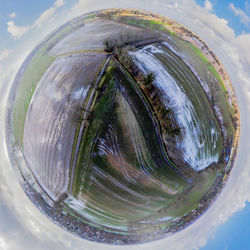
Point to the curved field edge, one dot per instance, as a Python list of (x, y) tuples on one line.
[(187, 202), (215, 73), (189, 40), (230, 163), (31, 72)]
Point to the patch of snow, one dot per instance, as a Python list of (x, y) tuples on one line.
[(195, 141), (187, 62), (75, 204), (80, 93)]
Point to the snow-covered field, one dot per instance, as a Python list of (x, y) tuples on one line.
[(199, 140), (91, 36), (52, 119)]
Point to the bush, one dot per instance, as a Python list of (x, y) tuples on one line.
[(109, 46), (127, 38), (174, 131), (123, 55), (149, 79)]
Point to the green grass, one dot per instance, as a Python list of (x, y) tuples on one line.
[(191, 200), (209, 65), (217, 88), (99, 113), (219, 94), (103, 109), (149, 24), (32, 75)]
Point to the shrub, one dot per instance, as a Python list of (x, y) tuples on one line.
[(149, 79)]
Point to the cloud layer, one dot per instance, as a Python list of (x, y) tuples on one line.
[(17, 31), (208, 5), (12, 15), (31, 228), (244, 18), (4, 54)]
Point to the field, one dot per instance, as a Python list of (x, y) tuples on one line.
[(32, 74), (211, 82), (109, 165), (113, 164), (53, 117), (91, 36), (183, 93)]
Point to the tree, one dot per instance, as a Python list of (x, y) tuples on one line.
[(149, 79), (109, 47), (174, 131), (165, 112)]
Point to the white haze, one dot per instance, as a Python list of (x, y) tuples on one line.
[(24, 227)]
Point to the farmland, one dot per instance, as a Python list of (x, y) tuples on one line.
[(127, 123)]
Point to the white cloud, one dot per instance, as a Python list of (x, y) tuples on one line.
[(244, 18), (12, 15), (78, 7), (3, 244), (44, 17), (48, 13), (59, 3), (4, 54), (243, 42), (18, 31), (234, 53), (208, 5)]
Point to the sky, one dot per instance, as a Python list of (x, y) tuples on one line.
[(224, 25), (237, 13)]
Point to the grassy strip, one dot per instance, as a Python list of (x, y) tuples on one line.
[(219, 92), (144, 23), (209, 65), (83, 51), (99, 112), (191, 199), (32, 75), (82, 115)]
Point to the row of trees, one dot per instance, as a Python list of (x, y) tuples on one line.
[(128, 38), (121, 51), (162, 113), (146, 81)]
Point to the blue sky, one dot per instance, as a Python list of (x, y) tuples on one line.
[(224, 9), (234, 234), (26, 12), (228, 34)]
